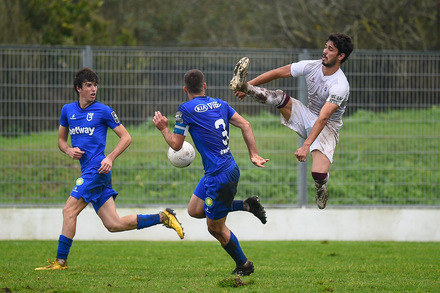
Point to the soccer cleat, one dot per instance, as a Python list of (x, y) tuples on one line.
[(245, 270), (256, 208), (321, 196), (238, 81), (53, 265), (170, 221)]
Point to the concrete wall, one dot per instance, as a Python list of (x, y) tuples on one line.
[(283, 224)]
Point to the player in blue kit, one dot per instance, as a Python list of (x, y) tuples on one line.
[(87, 121), (207, 120)]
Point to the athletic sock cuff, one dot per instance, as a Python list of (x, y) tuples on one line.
[(284, 101), (320, 177), (64, 245)]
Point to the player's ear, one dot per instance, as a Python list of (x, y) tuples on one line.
[(185, 89), (204, 86), (341, 56)]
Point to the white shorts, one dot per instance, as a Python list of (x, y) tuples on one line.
[(302, 120)]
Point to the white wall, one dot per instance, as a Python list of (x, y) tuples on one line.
[(283, 224)]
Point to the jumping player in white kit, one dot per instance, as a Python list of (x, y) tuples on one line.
[(318, 123)]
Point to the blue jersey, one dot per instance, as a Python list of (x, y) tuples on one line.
[(207, 120), (88, 130)]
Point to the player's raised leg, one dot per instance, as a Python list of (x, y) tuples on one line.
[(170, 221), (238, 83), (253, 205), (114, 223)]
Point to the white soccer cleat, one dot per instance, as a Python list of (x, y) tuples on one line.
[(321, 196), (238, 81)]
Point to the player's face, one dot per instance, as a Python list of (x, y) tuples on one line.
[(88, 91), (329, 55)]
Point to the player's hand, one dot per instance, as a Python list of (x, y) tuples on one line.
[(301, 153), (259, 161), (75, 153), (240, 95), (160, 121), (106, 166)]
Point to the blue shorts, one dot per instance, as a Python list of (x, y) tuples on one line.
[(218, 192), (94, 187)]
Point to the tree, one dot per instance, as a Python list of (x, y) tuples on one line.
[(374, 24), (53, 22)]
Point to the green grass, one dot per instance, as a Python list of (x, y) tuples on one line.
[(385, 158), (185, 266)]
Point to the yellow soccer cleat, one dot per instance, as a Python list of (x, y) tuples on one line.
[(55, 265), (170, 221)]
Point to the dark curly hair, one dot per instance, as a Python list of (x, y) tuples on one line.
[(343, 43), (83, 75)]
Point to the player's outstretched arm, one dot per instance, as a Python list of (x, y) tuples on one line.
[(175, 141), (248, 135), (280, 72)]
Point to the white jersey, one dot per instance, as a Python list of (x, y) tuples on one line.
[(321, 89)]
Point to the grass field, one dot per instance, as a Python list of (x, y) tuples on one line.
[(185, 266)]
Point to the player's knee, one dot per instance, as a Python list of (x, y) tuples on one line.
[(196, 213), (192, 213), (214, 231), (69, 213), (112, 227)]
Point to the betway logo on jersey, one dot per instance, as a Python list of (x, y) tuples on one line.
[(82, 130), (205, 107)]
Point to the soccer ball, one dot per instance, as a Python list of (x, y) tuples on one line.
[(183, 157)]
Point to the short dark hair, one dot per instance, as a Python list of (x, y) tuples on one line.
[(343, 43), (83, 75), (194, 81)]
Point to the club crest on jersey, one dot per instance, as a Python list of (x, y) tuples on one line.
[(90, 116), (115, 117)]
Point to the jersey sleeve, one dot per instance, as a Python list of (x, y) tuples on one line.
[(338, 95), (298, 68), (111, 118), (181, 127), (231, 111), (63, 119)]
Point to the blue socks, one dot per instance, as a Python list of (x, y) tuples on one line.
[(144, 221), (64, 245), (237, 205), (234, 250)]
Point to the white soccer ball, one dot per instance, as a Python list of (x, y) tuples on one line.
[(183, 157)]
